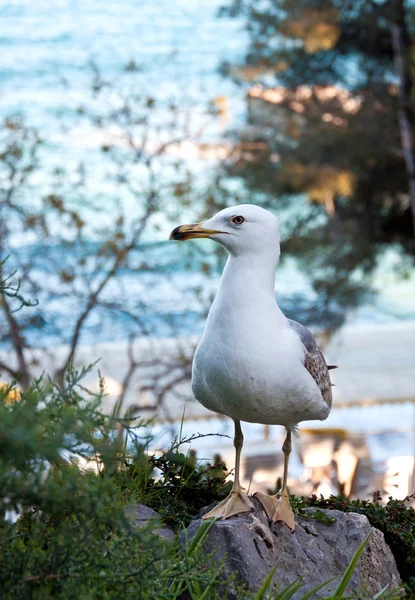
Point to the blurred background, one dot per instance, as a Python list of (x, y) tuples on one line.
[(121, 119)]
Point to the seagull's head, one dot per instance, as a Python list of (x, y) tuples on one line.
[(243, 229)]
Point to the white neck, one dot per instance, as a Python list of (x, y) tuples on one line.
[(248, 280)]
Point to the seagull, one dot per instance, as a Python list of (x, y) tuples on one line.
[(252, 363)]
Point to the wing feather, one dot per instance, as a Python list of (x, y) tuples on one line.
[(316, 365), (314, 361)]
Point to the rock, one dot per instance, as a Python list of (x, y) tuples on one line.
[(140, 515), (315, 551)]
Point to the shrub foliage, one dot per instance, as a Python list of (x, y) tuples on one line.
[(64, 532)]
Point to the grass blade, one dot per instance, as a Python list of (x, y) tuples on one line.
[(260, 595), (316, 589), (191, 549), (350, 569), (286, 592), (290, 590), (200, 536), (209, 587), (382, 591)]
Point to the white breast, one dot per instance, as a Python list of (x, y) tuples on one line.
[(249, 366)]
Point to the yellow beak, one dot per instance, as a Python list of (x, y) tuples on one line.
[(194, 230)]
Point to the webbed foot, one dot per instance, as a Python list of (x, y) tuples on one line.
[(237, 502), (278, 507)]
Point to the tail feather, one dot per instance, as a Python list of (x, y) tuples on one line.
[(295, 430)]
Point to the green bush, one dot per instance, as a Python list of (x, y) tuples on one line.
[(72, 538), (182, 488)]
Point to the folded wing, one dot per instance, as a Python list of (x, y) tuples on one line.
[(314, 361)]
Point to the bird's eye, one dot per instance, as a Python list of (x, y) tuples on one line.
[(238, 220)]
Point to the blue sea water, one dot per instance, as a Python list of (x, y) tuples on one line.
[(177, 47), (46, 48), (177, 44)]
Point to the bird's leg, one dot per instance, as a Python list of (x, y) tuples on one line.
[(284, 512), (278, 507), (237, 501)]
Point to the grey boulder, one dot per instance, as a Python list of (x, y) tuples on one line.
[(139, 515), (315, 552)]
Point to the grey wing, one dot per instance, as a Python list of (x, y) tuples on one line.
[(314, 361)]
